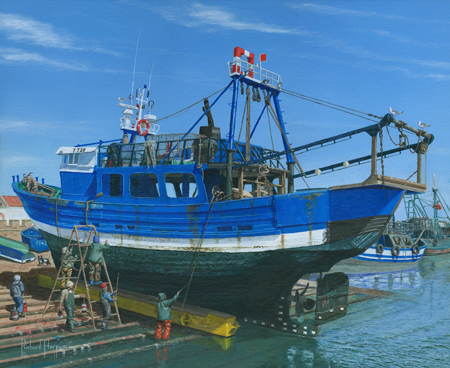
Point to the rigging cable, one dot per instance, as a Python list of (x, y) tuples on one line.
[(330, 105), (286, 140), (216, 196), (187, 108)]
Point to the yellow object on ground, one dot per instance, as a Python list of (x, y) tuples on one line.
[(208, 320)]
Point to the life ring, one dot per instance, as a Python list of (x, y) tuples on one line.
[(140, 127), (379, 248), (415, 249), (395, 250)]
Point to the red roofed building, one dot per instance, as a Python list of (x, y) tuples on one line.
[(11, 201), (11, 208)]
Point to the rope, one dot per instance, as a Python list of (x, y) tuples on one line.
[(216, 194), (281, 130), (270, 130), (242, 124), (247, 132), (187, 108), (311, 99), (56, 222), (411, 175), (330, 103), (381, 157)]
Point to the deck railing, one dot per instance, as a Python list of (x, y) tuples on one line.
[(170, 148)]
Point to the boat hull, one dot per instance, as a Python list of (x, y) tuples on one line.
[(405, 256), (242, 284), (436, 246), (244, 256)]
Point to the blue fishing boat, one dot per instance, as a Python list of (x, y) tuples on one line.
[(431, 231), (34, 239), (219, 214), (394, 246)]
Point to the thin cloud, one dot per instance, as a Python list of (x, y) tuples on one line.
[(15, 55), (361, 53), (214, 18), (397, 38), (18, 28), (11, 125), (330, 10), (25, 30)]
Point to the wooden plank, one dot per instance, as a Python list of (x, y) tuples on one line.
[(372, 292), (10, 299), (37, 328), (16, 342), (98, 358), (99, 344)]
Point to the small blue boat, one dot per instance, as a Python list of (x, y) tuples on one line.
[(15, 250), (34, 239)]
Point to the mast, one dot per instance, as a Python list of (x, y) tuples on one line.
[(253, 75), (230, 149), (435, 209)]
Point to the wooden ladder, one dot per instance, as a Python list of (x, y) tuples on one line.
[(81, 270)]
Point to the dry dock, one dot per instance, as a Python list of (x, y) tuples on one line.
[(38, 338)]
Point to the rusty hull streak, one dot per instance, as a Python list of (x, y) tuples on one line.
[(192, 215), (312, 196), (282, 243)]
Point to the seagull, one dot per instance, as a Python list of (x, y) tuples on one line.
[(394, 112), (422, 125), (122, 99)]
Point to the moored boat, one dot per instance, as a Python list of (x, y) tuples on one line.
[(219, 214), (394, 246), (432, 231)]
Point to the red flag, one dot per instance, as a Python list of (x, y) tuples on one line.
[(262, 57)]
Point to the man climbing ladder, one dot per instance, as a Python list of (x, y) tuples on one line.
[(96, 260)]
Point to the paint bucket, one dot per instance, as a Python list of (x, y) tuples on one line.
[(83, 308), (14, 315), (60, 314), (25, 307)]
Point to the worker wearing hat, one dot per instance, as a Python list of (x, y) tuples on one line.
[(67, 259), (105, 299), (164, 316), (68, 298), (95, 259)]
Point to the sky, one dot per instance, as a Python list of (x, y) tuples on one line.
[(64, 64)]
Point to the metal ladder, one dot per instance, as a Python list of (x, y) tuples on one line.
[(81, 271)]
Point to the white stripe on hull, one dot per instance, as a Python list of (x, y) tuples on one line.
[(242, 244), (405, 255)]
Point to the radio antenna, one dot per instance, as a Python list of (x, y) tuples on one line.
[(135, 59), (150, 79)]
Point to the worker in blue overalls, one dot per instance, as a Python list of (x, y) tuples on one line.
[(105, 299)]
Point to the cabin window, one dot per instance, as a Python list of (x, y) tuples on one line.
[(112, 185), (397, 240), (144, 185), (407, 241), (71, 158), (181, 185)]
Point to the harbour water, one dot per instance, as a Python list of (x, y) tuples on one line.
[(411, 329)]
